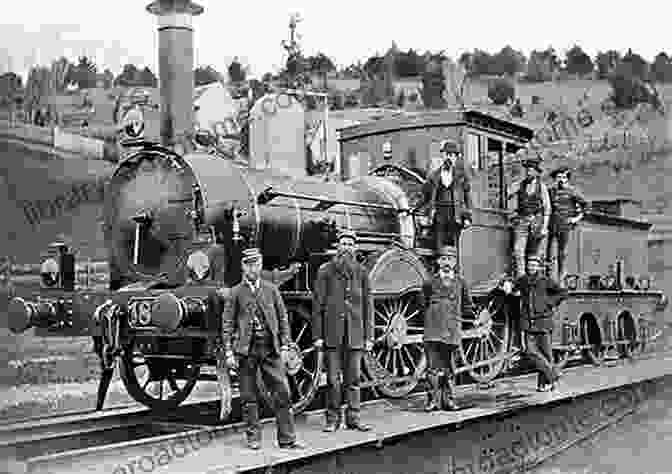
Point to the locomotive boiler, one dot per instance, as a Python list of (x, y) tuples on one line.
[(159, 204)]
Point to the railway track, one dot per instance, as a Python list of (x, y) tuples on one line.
[(72, 435)]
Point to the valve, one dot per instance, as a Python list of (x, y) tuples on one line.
[(22, 314)]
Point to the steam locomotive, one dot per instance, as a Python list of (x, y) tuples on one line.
[(175, 224)]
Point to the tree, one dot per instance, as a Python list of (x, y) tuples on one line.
[(408, 64), (578, 62), (374, 67), (635, 65), (147, 78), (10, 85), (129, 77), (320, 64), (60, 71), (606, 63), (456, 81), (108, 79), (480, 63), (236, 71), (84, 73), (205, 75), (500, 91), (433, 85), (542, 65), (37, 90), (508, 61), (661, 69)]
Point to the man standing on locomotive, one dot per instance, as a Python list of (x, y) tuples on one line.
[(447, 191), (567, 208), (255, 329), (539, 296), (447, 300), (532, 215), (343, 323)]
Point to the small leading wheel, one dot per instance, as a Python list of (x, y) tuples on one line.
[(485, 341), (304, 362), (158, 383), (397, 349)]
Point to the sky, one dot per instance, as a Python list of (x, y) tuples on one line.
[(121, 31)]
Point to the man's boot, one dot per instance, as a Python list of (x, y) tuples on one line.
[(253, 428), (352, 412), (433, 393), (448, 390)]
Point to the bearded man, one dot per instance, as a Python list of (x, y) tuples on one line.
[(447, 301), (447, 191), (343, 323)]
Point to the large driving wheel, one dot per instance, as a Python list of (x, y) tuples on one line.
[(397, 349), (485, 341), (158, 383), (305, 362)]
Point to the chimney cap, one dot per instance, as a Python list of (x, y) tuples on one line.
[(161, 7)]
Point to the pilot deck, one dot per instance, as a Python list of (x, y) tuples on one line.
[(504, 429)]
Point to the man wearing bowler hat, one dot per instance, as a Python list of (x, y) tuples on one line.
[(343, 324), (447, 301), (447, 191), (531, 216), (255, 333), (567, 208)]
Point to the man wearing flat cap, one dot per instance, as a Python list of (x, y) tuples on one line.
[(447, 301), (567, 208), (343, 324), (255, 333), (447, 192), (539, 296), (531, 216)]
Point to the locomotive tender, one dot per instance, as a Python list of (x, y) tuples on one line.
[(175, 223)]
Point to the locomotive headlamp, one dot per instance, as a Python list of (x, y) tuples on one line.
[(49, 272), (198, 264)]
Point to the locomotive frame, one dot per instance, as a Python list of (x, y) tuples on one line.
[(162, 317)]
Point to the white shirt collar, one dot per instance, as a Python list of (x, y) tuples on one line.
[(447, 177)]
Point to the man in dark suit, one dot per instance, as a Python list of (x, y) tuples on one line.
[(567, 208), (447, 301), (343, 323), (447, 191), (539, 296), (255, 329)]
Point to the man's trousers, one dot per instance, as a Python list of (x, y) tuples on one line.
[(274, 377), (346, 361), (526, 242), (539, 352)]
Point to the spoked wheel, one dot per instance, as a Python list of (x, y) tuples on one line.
[(485, 341), (304, 365), (590, 335), (397, 348), (158, 383), (626, 331)]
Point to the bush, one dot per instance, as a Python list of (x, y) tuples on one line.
[(628, 91), (500, 91)]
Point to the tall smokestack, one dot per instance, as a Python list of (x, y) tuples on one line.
[(176, 67)]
